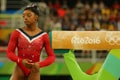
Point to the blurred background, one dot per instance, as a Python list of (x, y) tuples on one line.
[(68, 15)]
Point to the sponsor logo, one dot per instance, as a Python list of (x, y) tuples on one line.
[(85, 40)]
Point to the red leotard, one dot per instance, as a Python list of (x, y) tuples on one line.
[(29, 47)]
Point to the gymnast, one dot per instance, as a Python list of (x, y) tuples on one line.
[(29, 41)]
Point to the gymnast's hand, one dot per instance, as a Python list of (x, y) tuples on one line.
[(27, 63), (35, 67)]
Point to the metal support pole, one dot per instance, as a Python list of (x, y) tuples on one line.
[(93, 60), (3, 5)]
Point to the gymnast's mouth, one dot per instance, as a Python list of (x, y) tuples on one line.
[(26, 22)]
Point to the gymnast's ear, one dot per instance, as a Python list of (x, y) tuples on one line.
[(36, 17)]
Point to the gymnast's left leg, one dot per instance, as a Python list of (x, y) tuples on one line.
[(35, 74)]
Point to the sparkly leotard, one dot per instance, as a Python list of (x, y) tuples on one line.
[(29, 47)]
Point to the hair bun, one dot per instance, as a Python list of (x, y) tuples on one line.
[(32, 5)]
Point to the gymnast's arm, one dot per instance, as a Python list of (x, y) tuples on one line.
[(50, 53), (12, 46)]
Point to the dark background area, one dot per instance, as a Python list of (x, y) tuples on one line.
[(71, 3)]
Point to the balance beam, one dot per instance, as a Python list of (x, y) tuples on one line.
[(89, 40), (85, 40)]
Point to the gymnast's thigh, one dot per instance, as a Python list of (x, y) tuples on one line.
[(18, 74), (34, 76)]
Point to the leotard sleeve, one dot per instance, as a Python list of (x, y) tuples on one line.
[(12, 46), (50, 53)]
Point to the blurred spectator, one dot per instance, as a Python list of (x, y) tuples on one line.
[(79, 4), (104, 27), (72, 27), (43, 12), (61, 12), (111, 27), (95, 6), (87, 6), (80, 28), (116, 5), (89, 25), (106, 11), (50, 4), (101, 5), (57, 5), (53, 22), (118, 25), (66, 22), (65, 5), (96, 25)]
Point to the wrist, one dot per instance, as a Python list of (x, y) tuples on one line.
[(19, 60)]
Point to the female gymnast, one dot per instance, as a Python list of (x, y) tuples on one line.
[(29, 41)]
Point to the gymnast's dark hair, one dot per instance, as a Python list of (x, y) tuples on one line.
[(33, 8)]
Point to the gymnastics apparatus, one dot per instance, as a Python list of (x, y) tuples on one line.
[(67, 41)]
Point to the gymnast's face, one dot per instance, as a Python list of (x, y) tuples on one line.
[(29, 17)]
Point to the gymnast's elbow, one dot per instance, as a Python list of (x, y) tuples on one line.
[(53, 58), (8, 54)]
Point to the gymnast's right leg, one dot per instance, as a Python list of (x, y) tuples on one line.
[(17, 74)]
